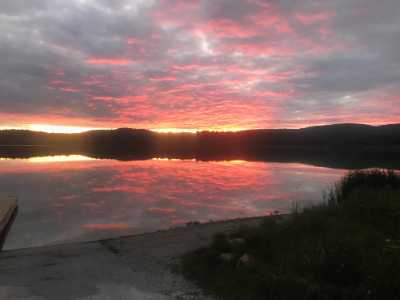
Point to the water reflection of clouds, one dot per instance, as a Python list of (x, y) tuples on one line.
[(77, 199)]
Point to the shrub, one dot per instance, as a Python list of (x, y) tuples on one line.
[(348, 248), (375, 179)]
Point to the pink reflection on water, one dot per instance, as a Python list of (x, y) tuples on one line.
[(69, 200), (106, 226)]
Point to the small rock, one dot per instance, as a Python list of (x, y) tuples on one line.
[(245, 260), (226, 257)]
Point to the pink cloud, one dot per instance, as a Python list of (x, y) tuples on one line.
[(200, 65), (314, 18), (109, 61), (162, 211), (69, 90), (228, 28), (164, 78)]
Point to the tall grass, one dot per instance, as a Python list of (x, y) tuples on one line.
[(346, 248), (376, 179)]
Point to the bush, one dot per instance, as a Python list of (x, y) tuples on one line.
[(348, 248), (371, 179)]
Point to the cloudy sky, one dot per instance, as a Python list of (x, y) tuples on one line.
[(199, 64)]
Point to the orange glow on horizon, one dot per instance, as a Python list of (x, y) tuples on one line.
[(193, 130), (59, 158), (69, 129), (49, 128), (59, 128), (174, 130)]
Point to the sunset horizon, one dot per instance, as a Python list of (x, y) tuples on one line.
[(197, 65), (48, 128), (199, 149)]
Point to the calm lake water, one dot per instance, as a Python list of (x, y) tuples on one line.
[(69, 198)]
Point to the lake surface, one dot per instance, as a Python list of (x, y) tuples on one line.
[(69, 198)]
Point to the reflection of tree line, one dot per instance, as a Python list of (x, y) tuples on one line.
[(345, 146)]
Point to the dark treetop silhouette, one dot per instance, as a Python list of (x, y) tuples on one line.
[(339, 145)]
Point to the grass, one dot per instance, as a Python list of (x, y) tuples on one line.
[(346, 248)]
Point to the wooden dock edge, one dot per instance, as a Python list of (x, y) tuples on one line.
[(8, 212)]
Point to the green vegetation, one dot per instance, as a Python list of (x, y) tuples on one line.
[(346, 248)]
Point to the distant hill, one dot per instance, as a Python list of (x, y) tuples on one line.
[(349, 140)]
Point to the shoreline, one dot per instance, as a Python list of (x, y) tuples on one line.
[(136, 266), (130, 234)]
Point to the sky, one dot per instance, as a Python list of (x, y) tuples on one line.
[(198, 64)]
